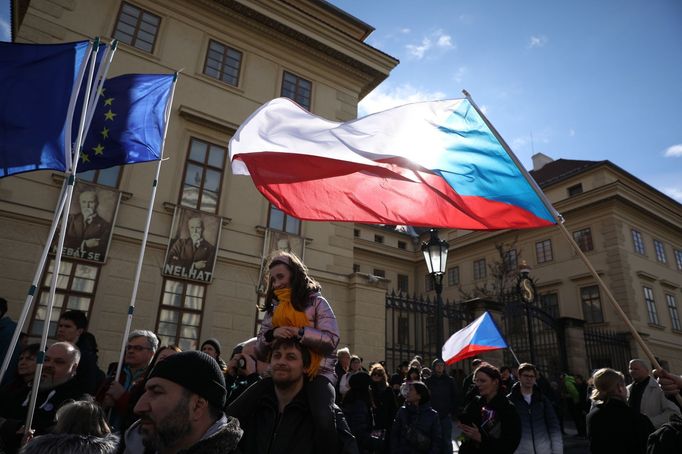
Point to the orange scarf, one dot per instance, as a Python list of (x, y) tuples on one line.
[(286, 315)]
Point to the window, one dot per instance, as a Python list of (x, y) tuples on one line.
[(583, 238), (378, 272), (356, 268), (223, 63), (453, 276), (136, 27), (638, 242), (297, 88), (660, 251), (356, 233), (549, 302), (378, 239), (203, 176), (671, 302), (403, 283), (650, 305), (402, 245), (511, 260), (591, 302), (543, 251), (105, 177), (479, 269), (76, 287), (678, 259), (428, 282), (180, 313), (575, 190), (281, 221)]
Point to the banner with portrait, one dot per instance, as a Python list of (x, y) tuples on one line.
[(192, 246), (92, 215)]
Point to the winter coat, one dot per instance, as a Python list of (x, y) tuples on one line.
[(360, 420), (540, 429), (667, 438), (321, 336), (498, 422), (655, 405), (223, 439), (423, 418), (443, 394), (72, 444), (612, 426), (385, 405)]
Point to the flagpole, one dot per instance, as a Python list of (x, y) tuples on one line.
[(560, 223), (40, 357), (101, 76), (143, 245), (518, 363), (34, 283)]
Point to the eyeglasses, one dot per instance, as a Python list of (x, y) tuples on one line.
[(136, 348)]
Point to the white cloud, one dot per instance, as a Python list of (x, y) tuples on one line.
[(674, 151), (385, 96), (436, 40), (460, 73), (484, 109), (537, 41), (675, 193), (405, 30)]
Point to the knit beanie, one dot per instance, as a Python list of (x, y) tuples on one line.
[(437, 361), (214, 343), (195, 371)]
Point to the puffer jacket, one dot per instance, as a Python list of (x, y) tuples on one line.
[(425, 419), (540, 429), (321, 336), (72, 444)]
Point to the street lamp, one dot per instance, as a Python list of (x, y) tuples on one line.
[(436, 256), (526, 289)]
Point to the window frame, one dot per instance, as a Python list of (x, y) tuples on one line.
[(480, 269), (403, 283), (134, 36), (552, 309), (225, 53), (638, 242), (298, 80), (541, 250), (96, 173), (583, 237), (588, 300), (673, 311), (453, 276), (181, 310), (678, 258), (659, 249), (650, 303), (285, 221), (205, 167), (574, 190)]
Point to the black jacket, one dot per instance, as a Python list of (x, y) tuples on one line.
[(612, 426), (423, 418), (386, 406), (498, 423), (443, 394)]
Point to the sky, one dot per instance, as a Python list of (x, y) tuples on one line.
[(579, 79), (5, 21)]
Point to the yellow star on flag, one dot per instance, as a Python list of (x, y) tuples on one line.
[(108, 101), (101, 91), (105, 133), (109, 115), (99, 149), (84, 157)]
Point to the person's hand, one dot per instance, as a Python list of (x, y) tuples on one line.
[(199, 264), (471, 431), (26, 435), (250, 365), (115, 390), (671, 384), (92, 242), (285, 332)]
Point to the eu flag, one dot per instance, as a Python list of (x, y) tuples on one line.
[(129, 121), (37, 81)]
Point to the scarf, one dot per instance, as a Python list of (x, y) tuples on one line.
[(285, 315)]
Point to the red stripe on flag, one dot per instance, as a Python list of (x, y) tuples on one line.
[(469, 351), (321, 189)]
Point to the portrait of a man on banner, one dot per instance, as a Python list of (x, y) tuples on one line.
[(89, 227), (192, 248)]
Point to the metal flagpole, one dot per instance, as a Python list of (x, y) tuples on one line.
[(562, 228), (143, 245), (518, 363), (40, 358)]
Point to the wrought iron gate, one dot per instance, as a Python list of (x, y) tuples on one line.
[(607, 349)]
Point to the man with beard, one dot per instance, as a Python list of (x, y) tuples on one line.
[(181, 409), (57, 385), (281, 420)]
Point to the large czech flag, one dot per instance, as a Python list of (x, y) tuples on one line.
[(431, 164), (479, 336)]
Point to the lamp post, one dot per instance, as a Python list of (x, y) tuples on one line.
[(436, 255), (526, 289)]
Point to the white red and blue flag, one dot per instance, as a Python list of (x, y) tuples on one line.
[(478, 337), (431, 164)]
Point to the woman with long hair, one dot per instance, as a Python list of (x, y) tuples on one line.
[(354, 367), (416, 429), (385, 404), (612, 426), (489, 422)]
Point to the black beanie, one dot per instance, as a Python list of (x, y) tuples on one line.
[(213, 342), (195, 371)]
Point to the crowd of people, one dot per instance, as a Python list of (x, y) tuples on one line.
[(291, 389)]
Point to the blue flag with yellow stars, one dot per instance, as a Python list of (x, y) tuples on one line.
[(129, 121), (36, 83)]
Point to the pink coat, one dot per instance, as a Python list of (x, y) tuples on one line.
[(321, 336)]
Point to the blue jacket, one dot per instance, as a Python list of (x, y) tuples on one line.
[(425, 419), (540, 429)]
